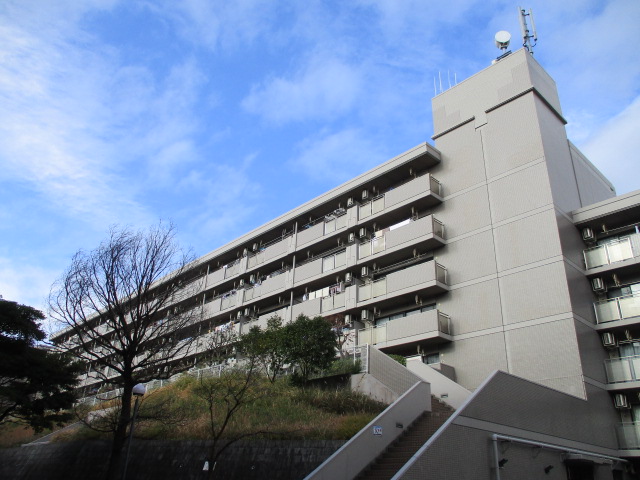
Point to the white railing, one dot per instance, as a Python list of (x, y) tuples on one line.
[(623, 369), (619, 308), (606, 254)]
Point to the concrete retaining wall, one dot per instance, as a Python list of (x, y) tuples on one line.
[(259, 459)]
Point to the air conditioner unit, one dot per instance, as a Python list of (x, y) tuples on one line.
[(247, 312), (252, 278), (621, 401), (255, 247), (366, 316), (609, 340), (241, 282), (239, 315), (348, 277), (588, 235), (365, 194), (350, 202), (352, 237), (598, 285), (365, 271), (245, 252), (347, 319), (362, 232)]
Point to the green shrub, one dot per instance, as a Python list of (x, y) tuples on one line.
[(399, 358)]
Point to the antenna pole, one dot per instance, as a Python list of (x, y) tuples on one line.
[(526, 34)]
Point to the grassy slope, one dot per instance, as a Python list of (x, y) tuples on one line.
[(281, 410)]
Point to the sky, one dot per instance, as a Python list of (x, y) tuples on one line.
[(221, 115)]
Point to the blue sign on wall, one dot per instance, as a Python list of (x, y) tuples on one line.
[(377, 430)]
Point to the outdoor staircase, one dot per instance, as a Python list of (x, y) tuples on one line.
[(391, 460)]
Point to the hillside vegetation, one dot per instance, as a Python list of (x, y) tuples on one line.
[(274, 410)]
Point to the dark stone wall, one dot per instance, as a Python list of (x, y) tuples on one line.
[(155, 460)]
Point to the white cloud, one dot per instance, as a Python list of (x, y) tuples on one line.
[(25, 284), (614, 149), (324, 88), (336, 157), (216, 24)]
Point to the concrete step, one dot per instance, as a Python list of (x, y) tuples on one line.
[(391, 460)]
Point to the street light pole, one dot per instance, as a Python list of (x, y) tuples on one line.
[(138, 391)]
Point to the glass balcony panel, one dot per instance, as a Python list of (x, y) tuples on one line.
[(364, 249), (341, 222), (441, 274), (436, 187), (620, 250), (380, 334), (379, 287), (607, 311), (628, 435), (630, 306), (339, 300), (364, 292), (444, 323), (364, 210), (327, 304), (328, 263), (365, 336), (341, 259), (330, 226), (596, 257), (377, 204), (377, 244), (620, 369)]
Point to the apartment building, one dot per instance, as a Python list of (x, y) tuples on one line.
[(501, 248)]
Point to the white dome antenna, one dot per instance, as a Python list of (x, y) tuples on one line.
[(502, 39)]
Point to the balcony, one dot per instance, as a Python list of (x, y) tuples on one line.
[(269, 251), (429, 277), (628, 434), (320, 227), (220, 303), (316, 266), (272, 283), (619, 250), (425, 185), (321, 304), (623, 370), (617, 309), (390, 238), (431, 325)]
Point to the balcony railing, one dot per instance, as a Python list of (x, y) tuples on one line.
[(402, 279), (628, 434), (416, 326), (415, 186), (623, 369), (616, 251), (391, 238), (620, 308)]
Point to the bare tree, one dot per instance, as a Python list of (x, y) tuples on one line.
[(127, 307), (345, 334)]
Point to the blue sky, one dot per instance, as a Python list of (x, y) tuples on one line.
[(221, 115)]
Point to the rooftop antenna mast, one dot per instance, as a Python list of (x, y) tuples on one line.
[(527, 35)]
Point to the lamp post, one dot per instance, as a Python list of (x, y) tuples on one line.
[(138, 391)]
